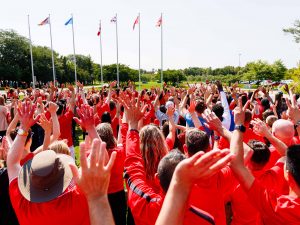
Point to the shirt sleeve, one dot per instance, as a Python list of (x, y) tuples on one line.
[(226, 115), (264, 201)]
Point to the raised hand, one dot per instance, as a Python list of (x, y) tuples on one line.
[(260, 128), (293, 111), (170, 111), (113, 84), (134, 112), (94, 178), (201, 166), (239, 112), (212, 121), (86, 117), (192, 106), (52, 107), (45, 123), (26, 114)]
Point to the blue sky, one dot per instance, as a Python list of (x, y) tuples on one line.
[(196, 32)]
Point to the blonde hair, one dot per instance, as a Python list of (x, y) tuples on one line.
[(153, 148), (60, 147)]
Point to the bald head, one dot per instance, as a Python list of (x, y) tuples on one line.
[(283, 130)]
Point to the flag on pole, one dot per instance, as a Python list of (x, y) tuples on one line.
[(70, 21), (99, 31), (114, 19), (159, 22), (44, 22), (136, 22)]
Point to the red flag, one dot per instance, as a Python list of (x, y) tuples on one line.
[(136, 22), (99, 31), (45, 21), (159, 22)]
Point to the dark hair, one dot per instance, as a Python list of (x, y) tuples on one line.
[(165, 128), (244, 99), (106, 118), (293, 162), (218, 109), (265, 103), (200, 106), (112, 105), (261, 153), (196, 140), (248, 116), (61, 107), (166, 167), (163, 109), (267, 113)]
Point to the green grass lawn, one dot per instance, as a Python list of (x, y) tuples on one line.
[(78, 139)]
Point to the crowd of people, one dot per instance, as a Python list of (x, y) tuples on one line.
[(205, 154)]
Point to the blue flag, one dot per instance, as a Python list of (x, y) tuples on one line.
[(70, 21)]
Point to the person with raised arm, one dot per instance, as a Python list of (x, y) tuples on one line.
[(274, 208)]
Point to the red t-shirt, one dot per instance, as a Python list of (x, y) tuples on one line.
[(244, 213), (248, 135), (65, 123), (170, 143), (114, 126), (116, 179), (69, 208), (275, 209), (209, 194)]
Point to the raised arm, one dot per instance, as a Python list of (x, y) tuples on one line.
[(55, 123), (86, 120), (243, 175), (26, 112), (294, 112), (172, 127), (93, 181), (261, 129), (189, 171)]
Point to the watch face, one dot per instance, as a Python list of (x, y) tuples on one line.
[(240, 128)]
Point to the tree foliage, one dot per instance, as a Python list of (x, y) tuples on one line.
[(295, 31)]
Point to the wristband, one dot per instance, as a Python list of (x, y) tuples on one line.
[(22, 132), (134, 130)]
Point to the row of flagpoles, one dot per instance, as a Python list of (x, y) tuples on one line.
[(113, 20)]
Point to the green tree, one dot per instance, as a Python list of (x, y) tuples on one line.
[(14, 56), (295, 31)]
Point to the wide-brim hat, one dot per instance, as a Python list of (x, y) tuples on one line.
[(45, 177)]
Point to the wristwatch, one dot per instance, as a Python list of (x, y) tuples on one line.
[(241, 128), (22, 132), (217, 138)]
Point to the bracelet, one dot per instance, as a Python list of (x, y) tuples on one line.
[(134, 130), (297, 124)]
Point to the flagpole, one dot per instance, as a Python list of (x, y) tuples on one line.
[(31, 57), (74, 50), (53, 67), (161, 27), (101, 68), (118, 81), (139, 52)]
